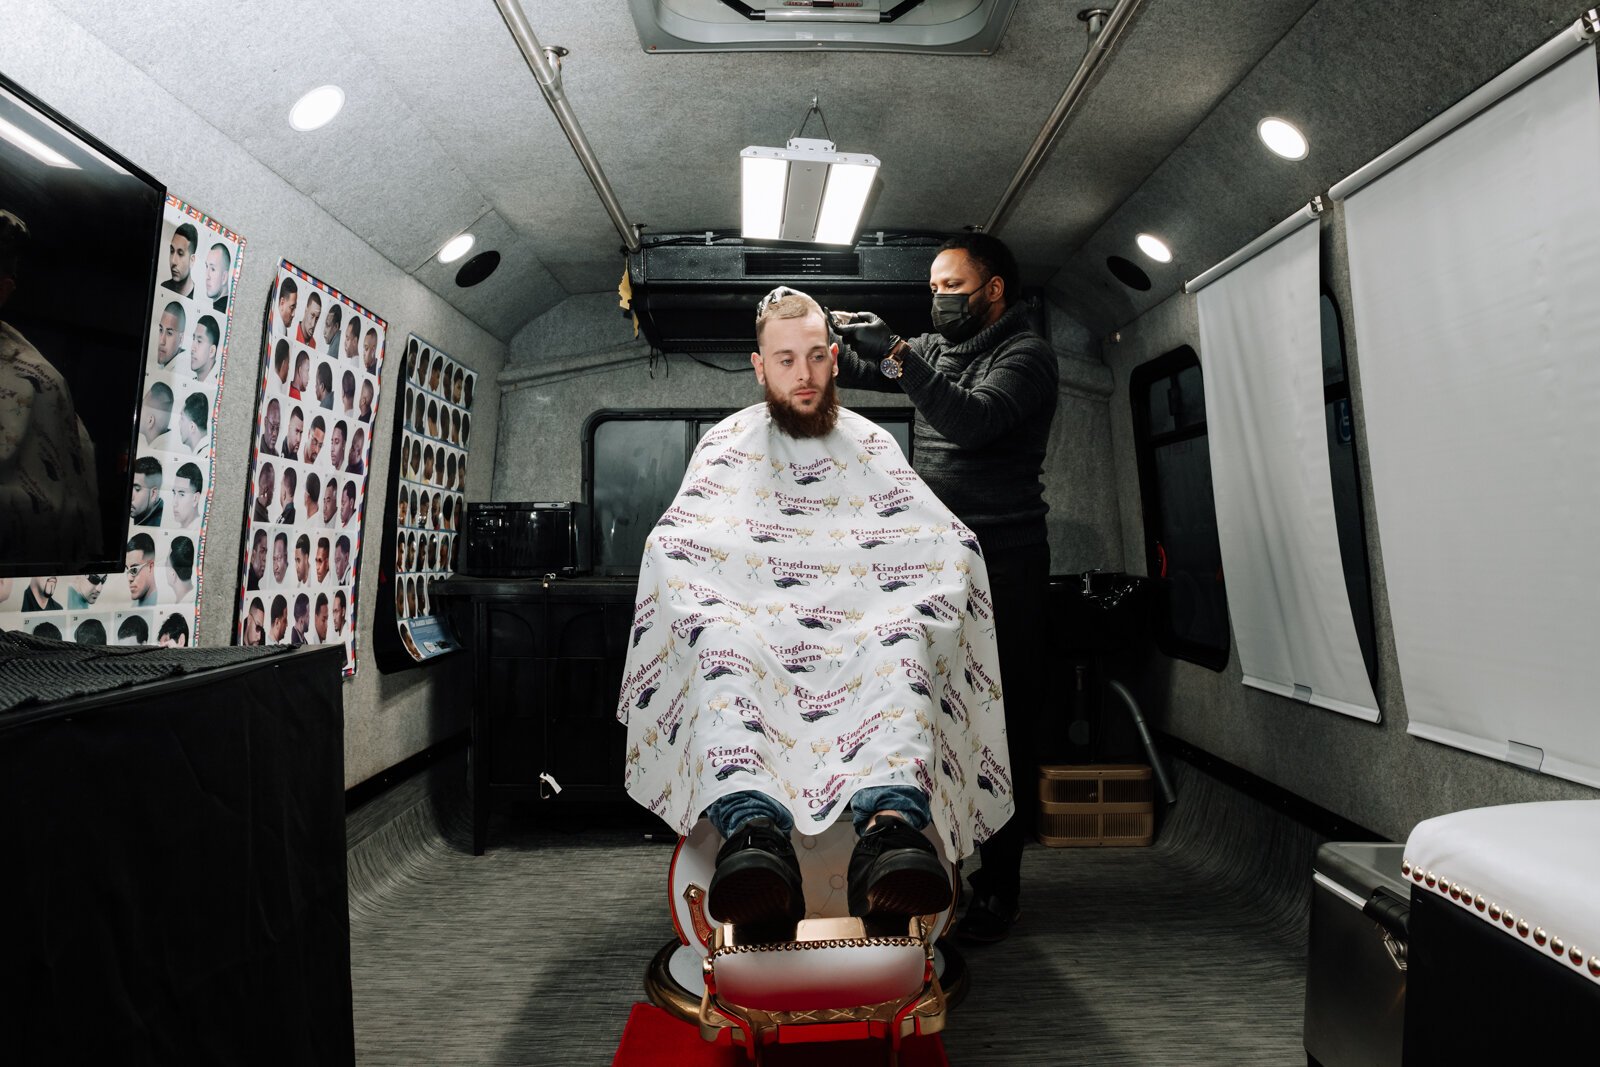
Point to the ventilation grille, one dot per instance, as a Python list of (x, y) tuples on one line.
[(792, 264)]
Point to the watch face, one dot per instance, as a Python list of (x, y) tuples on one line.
[(890, 367)]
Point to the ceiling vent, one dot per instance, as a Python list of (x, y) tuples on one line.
[(952, 27), (790, 264)]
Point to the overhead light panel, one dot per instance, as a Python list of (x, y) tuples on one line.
[(317, 108), (456, 247), (761, 193), (1283, 138), (1154, 247), (807, 191)]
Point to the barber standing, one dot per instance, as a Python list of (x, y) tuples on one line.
[(984, 386)]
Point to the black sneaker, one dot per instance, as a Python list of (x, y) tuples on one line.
[(757, 882), (895, 871), (988, 919)]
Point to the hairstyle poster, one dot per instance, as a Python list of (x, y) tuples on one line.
[(427, 502), (156, 600), (322, 357)]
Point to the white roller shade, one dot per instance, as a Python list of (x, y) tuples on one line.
[(1261, 348), (1475, 267)]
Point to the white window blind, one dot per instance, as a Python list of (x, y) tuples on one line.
[(1475, 267), (1261, 349)]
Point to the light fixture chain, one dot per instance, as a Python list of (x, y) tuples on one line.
[(814, 109)]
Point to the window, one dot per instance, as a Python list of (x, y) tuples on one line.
[(1345, 470), (1180, 519), (633, 463)]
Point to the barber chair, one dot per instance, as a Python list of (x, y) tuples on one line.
[(832, 983)]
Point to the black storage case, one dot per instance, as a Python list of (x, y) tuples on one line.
[(1356, 966), (526, 540)]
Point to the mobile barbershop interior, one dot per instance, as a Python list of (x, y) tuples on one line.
[(1318, 279)]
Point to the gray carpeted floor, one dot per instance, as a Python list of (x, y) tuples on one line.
[(1191, 952)]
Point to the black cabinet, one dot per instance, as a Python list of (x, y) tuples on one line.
[(174, 887), (548, 656)]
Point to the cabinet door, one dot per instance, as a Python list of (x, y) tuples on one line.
[(584, 742), (516, 629)]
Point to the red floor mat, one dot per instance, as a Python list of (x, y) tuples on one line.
[(653, 1038)]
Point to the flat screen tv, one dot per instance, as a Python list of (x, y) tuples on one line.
[(79, 233)]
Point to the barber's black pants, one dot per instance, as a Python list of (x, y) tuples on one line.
[(1019, 581)]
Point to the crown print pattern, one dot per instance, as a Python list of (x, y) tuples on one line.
[(811, 620)]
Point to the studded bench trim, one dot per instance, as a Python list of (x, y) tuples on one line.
[(1503, 919)]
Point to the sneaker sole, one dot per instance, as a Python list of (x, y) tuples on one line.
[(757, 894), (906, 886)]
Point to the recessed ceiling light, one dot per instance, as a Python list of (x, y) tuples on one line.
[(456, 247), (1283, 138), (317, 108), (1154, 247)]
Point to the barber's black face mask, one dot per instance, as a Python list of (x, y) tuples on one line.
[(954, 317)]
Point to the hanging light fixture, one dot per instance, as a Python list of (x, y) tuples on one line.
[(807, 191)]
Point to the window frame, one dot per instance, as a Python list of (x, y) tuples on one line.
[(1333, 393), (690, 417), (1165, 368)]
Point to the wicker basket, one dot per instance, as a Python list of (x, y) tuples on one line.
[(1095, 805)]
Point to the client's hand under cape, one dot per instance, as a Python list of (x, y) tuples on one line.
[(811, 621)]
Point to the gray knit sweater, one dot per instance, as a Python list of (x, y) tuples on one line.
[(984, 409)]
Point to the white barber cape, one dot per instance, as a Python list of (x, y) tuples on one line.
[(811, 621)]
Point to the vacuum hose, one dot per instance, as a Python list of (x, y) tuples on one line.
[(1144, 736)]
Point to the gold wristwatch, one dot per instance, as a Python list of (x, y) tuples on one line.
[(891, 366)]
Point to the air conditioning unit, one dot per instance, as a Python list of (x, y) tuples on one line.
[(952, 27), (698, 293)]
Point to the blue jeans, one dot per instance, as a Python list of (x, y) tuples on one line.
[(729, 813)]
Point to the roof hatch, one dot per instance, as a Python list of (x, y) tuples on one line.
[(958, 27)]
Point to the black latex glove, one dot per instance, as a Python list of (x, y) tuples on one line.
[(869, 335)]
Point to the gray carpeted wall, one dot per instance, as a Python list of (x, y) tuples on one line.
[(66, 65), (581, 357), (1375, 774)]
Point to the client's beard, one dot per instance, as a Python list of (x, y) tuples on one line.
[(818, 423)]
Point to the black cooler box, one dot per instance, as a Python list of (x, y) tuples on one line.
[(1355, 972)]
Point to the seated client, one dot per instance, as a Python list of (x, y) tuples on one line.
[(813, 633)]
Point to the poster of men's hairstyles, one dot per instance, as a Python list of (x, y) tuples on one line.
[(157, 598), (321, 364), (426, 509)]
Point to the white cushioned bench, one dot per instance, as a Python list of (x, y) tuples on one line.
[(1530, 871)]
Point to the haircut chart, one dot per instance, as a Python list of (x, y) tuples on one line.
[(427, 502), (321, 365)]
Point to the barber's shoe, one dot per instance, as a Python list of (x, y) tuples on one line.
[(757, 882), (895, 871), (988, 919)]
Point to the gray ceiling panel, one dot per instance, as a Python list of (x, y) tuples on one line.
[(519, 289), (376, 170), (445, 125), (1356, 76), (1172, 67)]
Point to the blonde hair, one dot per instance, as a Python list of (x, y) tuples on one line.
[(786, 303)]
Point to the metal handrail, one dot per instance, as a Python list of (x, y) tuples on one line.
[(1100, 46), (548, 75)]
